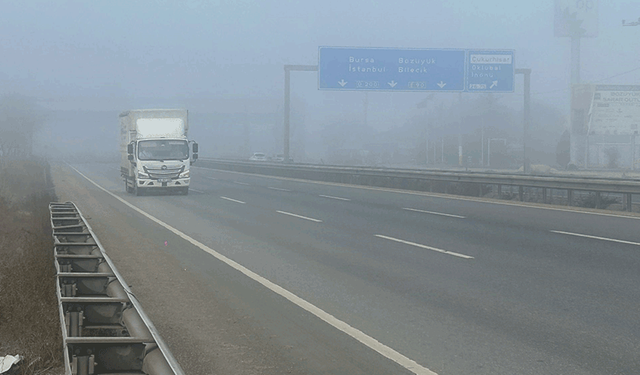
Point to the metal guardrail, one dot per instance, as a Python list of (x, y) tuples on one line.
[(424, 180), (104, 329)]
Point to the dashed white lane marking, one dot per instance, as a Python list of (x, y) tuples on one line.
[(233, 200), (425, 247), (332, 197), (275, 188), (365, 339), (434, 213), (596, 237), (240, 183), (425, 194), (197, 191), (299, 216)]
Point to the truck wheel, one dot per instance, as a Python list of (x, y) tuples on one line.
[(185, 191), (137, 190)]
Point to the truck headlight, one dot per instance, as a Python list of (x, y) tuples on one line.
[(185, 174), (142, 175)]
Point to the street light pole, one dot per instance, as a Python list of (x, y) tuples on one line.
[(633, 137), (424, 104), (527, 113), (287, 101), (482, 144)]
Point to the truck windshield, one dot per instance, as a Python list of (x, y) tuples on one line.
[(163, 150)]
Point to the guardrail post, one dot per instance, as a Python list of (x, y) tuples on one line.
[(544, 195), (598, 200), (521, 193), (499, 191), (629, 202), (83, 365), (569, 197)]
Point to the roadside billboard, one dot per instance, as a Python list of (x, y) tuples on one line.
[(615, 110)]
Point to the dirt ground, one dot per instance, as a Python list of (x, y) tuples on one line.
[(29, 320)]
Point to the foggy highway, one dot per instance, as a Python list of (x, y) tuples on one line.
[(250, 274), (458, 285)]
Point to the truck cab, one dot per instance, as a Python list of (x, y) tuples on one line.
[(161, 164), (156, 154)]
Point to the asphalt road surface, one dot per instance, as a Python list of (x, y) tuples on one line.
[(260, 275)]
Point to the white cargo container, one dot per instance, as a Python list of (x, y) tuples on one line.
[(154, 150)]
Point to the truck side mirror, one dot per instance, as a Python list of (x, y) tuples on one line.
[(195, 156), (194, 148), (130, 157), (130, 149)]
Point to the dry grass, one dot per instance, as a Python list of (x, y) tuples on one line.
[(29, 320)]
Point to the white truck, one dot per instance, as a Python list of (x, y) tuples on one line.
[(155, 151)]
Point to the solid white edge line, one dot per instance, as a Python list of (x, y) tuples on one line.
[(279, 189), (299, 216), (425, 247), (332, 197), (240, 183), (232, 200), (434, 213), (197, 191), (426, 194), (365, 339), (596, 237)]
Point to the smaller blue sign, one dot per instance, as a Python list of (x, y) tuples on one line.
[(490, 71)]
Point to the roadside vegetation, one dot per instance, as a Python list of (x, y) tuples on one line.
[(29, 319)]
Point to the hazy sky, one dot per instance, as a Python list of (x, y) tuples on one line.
[(97, 52)]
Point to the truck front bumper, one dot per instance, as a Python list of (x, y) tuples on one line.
[(155, 184)]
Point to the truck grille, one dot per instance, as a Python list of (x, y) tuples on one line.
[(167, 172)]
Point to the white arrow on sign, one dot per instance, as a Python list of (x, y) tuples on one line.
[(392, 83), (342, 82), (441, 84), (493, 84)]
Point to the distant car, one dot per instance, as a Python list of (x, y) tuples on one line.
[(258, 156), (280, 158)]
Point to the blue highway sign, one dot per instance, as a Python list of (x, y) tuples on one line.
[(387, 69), (490, 71), (394, 69)]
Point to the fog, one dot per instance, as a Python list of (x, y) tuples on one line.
[(81, 63)]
